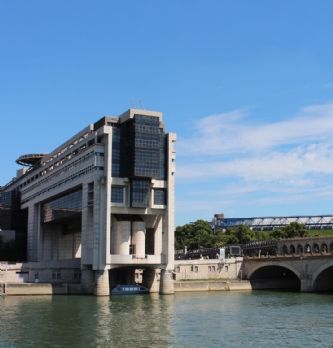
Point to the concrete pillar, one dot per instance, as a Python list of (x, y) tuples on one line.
[(150, 280), (87, 281), (121, 240), (84, 226), (306, 285), (158, 237), (102, 286), (139, 238), (166, 282), (33, 232)]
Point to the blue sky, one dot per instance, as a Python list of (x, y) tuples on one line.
[(246, 85)]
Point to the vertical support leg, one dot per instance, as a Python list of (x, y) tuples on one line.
[(102, 287), (166, 283)]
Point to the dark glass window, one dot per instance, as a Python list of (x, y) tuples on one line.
[(115, 152), (149, 153), (68, 206), (159, 196), (142, 148), (117, 194), (140, 192), (6, 199)]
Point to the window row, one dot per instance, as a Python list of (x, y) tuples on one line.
[(140, 194)]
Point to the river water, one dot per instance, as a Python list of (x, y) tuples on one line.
[(212, 319)]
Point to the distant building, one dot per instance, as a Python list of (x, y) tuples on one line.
[(269, 223), (99, 206)]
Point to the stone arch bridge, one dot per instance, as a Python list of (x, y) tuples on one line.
[(298, 264)]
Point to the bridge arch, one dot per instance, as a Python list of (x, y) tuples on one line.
[(315, 248), (324, 248), (277, 276), (299, 249), (323, 278), (331, 248)]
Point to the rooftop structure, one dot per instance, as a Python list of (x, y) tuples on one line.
[(100, 204)]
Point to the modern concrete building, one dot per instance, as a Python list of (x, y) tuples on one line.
[(98, 207)]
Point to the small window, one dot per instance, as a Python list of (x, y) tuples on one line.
[(117, 194), (192, 268), (196, 269), (159, 197)]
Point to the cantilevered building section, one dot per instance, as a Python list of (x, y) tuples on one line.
[(100, 206)]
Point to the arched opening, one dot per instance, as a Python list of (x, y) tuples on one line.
[(324, 281), (331, 248), (299, 249), (275, 278), (292, 249), (285, 250), (146, 276), (324, 248), (315, 248), (307, 249), (122, 276)]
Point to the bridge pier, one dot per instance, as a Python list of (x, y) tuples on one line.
[(166, 283), (102, 287), (306, 285)]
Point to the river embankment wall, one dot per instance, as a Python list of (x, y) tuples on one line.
[(189, 275), (209, 269), (210, 275)]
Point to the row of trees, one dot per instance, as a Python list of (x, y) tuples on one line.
[(199, 234)]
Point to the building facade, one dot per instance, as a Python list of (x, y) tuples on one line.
[(101, 205)]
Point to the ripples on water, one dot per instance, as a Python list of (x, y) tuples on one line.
[(215, 319)]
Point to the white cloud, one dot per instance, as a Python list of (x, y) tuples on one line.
[(297, 163), (232, 132), (239, 166)]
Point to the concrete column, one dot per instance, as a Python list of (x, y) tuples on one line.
[(107, 197), (87, 281), (166, 283), (168, 244), (84, 226), (150, 280), (306, 285), (102, 287), (122, 235), (33, 232), (158, 237), (139, 238)]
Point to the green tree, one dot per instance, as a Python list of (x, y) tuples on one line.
[(197, 234), (293, 230), (241, 234)]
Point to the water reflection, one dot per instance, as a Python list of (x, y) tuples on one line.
[(185, 320), (78, 321)]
